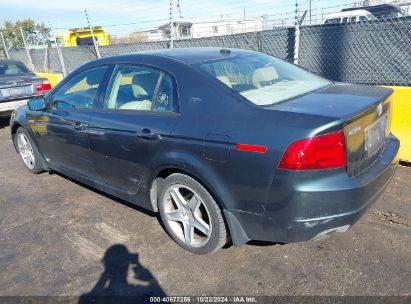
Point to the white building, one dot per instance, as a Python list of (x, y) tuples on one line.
[(198, 28), (154, 34)]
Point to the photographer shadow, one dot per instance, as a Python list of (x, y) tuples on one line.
[(113, 281)]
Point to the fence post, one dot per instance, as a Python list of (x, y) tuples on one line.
[(31, 65), (6, 52), (92, 35), (59, 53), (297, 32), (171, 25), (259, 42)]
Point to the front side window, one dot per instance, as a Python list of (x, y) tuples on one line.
[(141, 89), (81, 91), (86, 40), (263, 79)]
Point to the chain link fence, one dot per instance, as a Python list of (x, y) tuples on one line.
[(373, 52), (370, 52)]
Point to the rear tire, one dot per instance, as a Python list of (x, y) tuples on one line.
[(190, 215), (29, 154)]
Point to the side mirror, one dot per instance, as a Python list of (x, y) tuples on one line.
[(36, 104)]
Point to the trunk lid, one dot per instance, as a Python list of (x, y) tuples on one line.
[(365, 136), (363, 113), (14, 87)]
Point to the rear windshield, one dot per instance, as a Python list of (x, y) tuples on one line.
[(12, 69), (263, 79)]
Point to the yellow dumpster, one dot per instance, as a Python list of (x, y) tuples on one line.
[(401, 120)]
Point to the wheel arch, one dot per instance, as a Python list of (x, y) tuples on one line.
[(19, 124), (165, 171), (13, 131), (234, 228)]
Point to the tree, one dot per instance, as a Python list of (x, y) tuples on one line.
[(35, 33)]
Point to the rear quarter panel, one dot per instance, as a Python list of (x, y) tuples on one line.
[(214, 118)]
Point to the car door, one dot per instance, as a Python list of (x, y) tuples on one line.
[(138, 113), (63, 139)]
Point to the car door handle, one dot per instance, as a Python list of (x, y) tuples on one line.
[(147, 134), (79, 126)]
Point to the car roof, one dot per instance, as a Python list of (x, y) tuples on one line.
[(188, 55), (5, 61)]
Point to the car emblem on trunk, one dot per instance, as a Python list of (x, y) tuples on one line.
[(379, 109)]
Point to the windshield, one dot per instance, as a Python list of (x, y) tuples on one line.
[(12, 69), (263, 79)]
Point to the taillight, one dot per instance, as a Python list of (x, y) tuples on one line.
[(319, 152), (45, 86)]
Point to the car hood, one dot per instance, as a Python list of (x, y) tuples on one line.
[(338, 100)]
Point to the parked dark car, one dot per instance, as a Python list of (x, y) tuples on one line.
[(17, 85), (223, 143)]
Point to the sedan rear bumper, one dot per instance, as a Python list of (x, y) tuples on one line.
[(6, 107), (307, 205)]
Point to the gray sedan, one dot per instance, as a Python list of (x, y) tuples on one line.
[(17, 85)]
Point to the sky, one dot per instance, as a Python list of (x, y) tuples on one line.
[(121, 17)]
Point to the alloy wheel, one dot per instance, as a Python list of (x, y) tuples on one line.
[(26, 151), (187, 215)]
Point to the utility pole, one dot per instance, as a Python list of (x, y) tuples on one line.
[(320, 16), (27, 49), (310, 2), (244, 19), (179, 9), (6, 52), (92, 35), (171, 25)]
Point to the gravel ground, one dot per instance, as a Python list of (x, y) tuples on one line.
[(58, 237)]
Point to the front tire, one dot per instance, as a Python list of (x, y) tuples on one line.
[(190, 215), (29, 154)]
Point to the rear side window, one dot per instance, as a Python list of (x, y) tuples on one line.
[(262, 79), (81, 91), (333, 21), (12, 69), (141, 88)]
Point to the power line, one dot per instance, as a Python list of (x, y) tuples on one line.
[(280, 18)]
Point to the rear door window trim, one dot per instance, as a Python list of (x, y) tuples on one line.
[(100, 107)]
